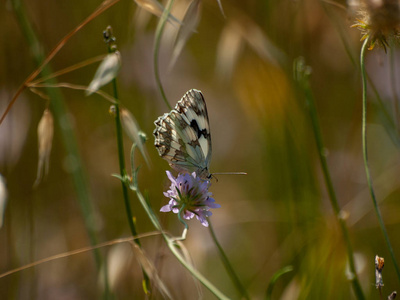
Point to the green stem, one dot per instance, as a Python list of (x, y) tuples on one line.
[(329, 185), (171, 243), (227, 265), (123, 173), (181, 210), (275, 277), (61, 113), (365, 155), (195, 273), (158, 35), (121, 161)]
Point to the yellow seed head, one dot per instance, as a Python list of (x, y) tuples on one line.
[(379, 20)]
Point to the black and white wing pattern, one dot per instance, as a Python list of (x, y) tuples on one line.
[(182, 136)]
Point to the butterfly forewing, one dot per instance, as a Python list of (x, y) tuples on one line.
[(182, 137), (193, 106)]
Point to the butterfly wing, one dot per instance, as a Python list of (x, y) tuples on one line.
[(182, 137)]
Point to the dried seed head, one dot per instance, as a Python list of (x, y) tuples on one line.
[(379, 264), (130, 126), (155, 8), (230, 46), (379, 20), (106, 72), (45, 138), (132, 129), (237, 33), (119, 261), (190, 21)]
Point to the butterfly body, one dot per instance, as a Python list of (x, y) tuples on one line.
[(182, 136)]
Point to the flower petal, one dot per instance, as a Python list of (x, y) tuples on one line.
[(170, 177), (166, 208)]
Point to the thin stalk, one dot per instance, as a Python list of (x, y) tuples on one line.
[(332, 197), (275, 277), (172, 245), (231, 272), (158, 35), (121, 161), (61, 113), (123, 173), (329, 185), (393, 82), (365, 156), (195, 273)]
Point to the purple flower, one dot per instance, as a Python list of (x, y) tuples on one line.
[(190, 193)]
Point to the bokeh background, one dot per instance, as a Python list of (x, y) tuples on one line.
[(277, 215)]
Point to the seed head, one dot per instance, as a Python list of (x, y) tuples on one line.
[(379, 20)]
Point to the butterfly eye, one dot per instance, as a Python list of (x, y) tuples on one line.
[(211, 176)]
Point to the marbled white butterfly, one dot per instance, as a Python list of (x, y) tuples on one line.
[(182, 136)]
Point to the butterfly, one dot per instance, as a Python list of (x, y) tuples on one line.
[(182, 136)]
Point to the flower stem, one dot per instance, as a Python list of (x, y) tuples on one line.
[(195, 273), (227, 265), (172, 245), (303, 78), (123, 173), (365, 156), (121, 160), (181, 210), (172, 242)]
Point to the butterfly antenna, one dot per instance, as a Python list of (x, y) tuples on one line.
[(226, 173), (230, 173)]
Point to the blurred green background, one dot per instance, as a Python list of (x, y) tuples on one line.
[(277, 215)]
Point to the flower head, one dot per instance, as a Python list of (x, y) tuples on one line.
[(379, 20), (189, 194)]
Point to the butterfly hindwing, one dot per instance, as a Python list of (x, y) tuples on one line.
[(182, 137)]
